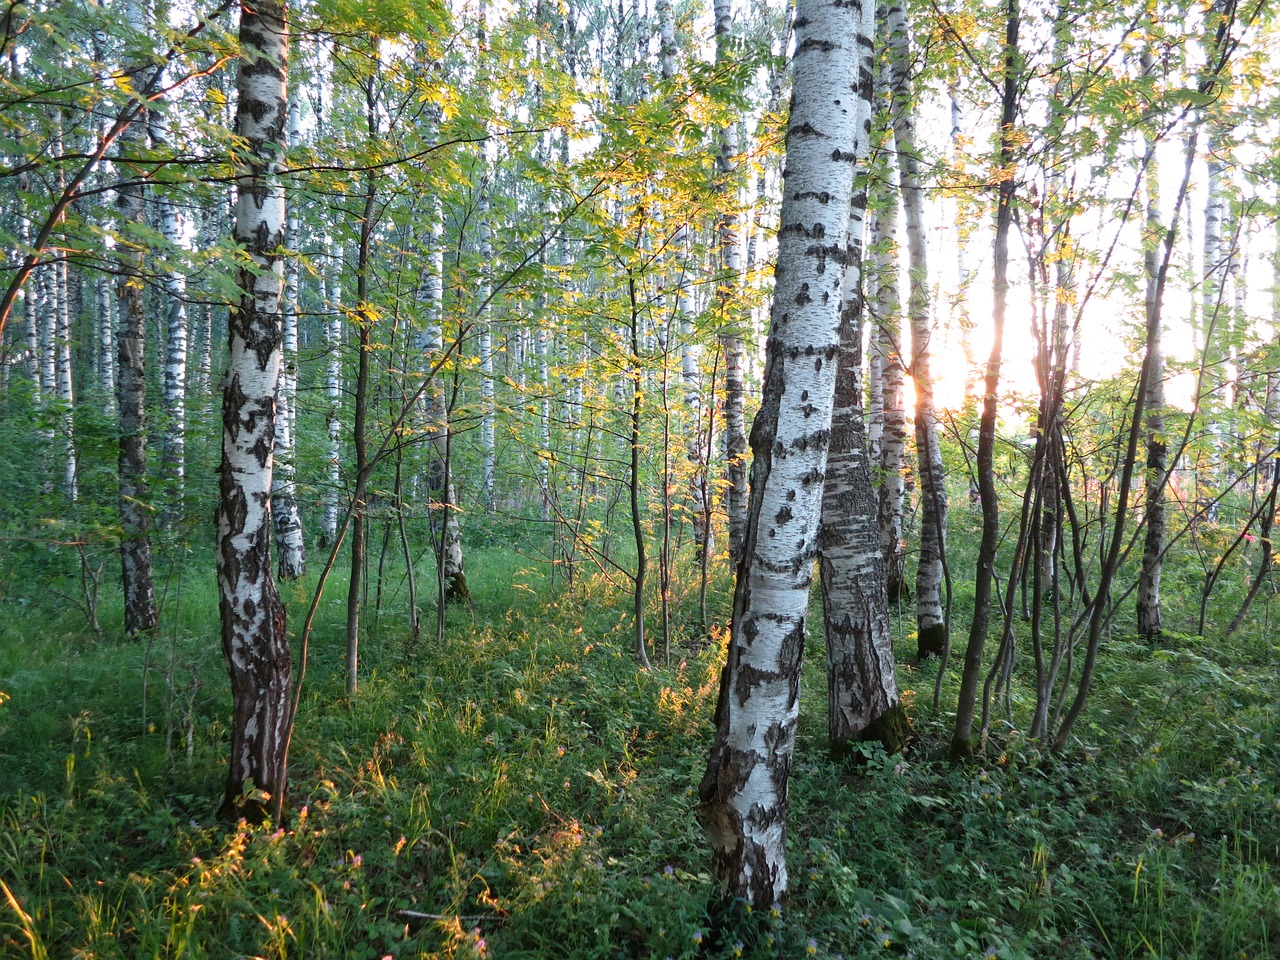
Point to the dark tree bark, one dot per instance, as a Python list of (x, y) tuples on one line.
[(962, 738)]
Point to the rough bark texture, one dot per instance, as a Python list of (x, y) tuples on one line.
[(744, 790), (887, 340), (862, 689), (253, 624)]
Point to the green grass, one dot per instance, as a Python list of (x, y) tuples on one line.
[(523, 791)]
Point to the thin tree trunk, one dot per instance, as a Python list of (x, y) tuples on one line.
[(140, 611), (173, 465), (744, 790), (962, 738), (730, 269), (359, 421), (634, 480), (931, 624), (253, 617), (443, 505), (333, 388), (1148, 599)]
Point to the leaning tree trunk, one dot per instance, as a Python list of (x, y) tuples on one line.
[(131, 387), (862, 689), (253, 625), (931, 637), (744, 790)]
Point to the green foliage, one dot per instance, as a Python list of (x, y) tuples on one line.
[(524, 791)]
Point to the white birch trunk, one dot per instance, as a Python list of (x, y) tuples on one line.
[(66, 389), (488, 442), (173, 466), (253, 618), (106, 326), (443, 498), (930, 620), (744, 791), (290, 551), (333, 390), (887, 350), (729, 249)]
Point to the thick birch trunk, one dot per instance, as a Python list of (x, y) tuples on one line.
[(862, 689), (930, 620), (290, 550), (744, 791), (253, 618)]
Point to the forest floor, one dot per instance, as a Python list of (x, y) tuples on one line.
[(523, 790)]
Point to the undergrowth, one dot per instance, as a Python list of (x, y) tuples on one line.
[(523, 791)]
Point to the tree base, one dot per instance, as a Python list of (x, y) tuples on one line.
[(961, 750), (892, 730), (456, 589), (931, 641)]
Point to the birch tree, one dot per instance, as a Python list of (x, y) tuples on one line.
[(140, 611), (862, 688), (930, 620), (744, 790), (452, 580), (290, 550), (253, 617)]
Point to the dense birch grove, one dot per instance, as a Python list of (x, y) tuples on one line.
[(680, 302)]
